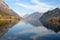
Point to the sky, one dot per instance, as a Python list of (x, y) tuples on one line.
[(24, 7)]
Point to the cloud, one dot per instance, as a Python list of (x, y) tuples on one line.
[(21, 13), (40, 6), (35, 1), (38, 31)]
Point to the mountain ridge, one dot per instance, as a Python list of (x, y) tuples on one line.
[(6, 8), (51, 19)]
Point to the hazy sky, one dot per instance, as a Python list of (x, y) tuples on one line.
[(23, 7)]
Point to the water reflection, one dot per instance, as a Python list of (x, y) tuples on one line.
[(5, 25), (23, 31)]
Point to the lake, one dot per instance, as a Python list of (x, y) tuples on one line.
[(26, 31)]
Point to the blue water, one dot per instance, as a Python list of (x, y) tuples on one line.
[(25, 31)]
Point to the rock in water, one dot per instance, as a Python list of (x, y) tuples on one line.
[(51, 19)]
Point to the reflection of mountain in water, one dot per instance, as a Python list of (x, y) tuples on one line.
[(5, 25)]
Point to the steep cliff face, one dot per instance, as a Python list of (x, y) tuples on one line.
[(34, 19), (4, 7), (51, 19), (6, 11)]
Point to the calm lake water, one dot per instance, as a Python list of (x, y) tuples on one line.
[(25, 31)]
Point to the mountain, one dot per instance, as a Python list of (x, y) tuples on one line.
[(26, 15), (34, 19), (5, 9), (51, 19)]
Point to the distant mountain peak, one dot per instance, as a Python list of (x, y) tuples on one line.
[(34, 19), (56, 9), (36, 12)]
